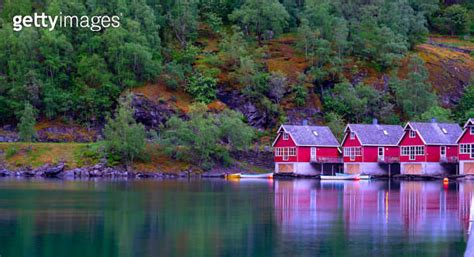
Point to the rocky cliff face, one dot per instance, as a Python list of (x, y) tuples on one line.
[(450, 70), (150, 113), (255, 116)]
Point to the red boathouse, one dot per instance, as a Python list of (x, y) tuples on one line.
[(466, 148), (306, 150), (429, 148), (371, 148)]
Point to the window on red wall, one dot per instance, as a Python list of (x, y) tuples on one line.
[(285, 136), (472, 130), (285, 151), (412, 134), (352, 135), (465, 148), (352, 152), (413, 150)]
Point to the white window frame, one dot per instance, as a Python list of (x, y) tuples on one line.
[(465, 148), (420, 151), (383, 151), (412, 151), (285, 136), (285, 152), (352, 152), (351, 135), (412, 134), (471, 130), (291, 151)]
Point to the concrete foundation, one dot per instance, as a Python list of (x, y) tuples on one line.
[(307, 169), (427, 168), (371, 168)]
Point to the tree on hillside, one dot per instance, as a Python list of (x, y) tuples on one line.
[(378, 43), (26, 127), (452, 20), (233, 130), (278, 84), (183, 19), (301, 94), (359, 103), (205, 138), (336, 123), (318, 17), (202, 88), (306, 39), (124, 138), (414, 95), (436, 112), (261, 17), (234, 46), (344, 101), (465, 108)]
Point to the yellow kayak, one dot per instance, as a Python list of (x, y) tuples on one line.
[(233, 175)]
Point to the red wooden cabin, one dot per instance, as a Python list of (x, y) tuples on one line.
[(429, 148), (299, 149), (466, 148), (371, 148)]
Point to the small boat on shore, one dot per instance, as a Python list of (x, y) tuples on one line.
[(342, 176), (233, 176), (240, 175), (265, 175)]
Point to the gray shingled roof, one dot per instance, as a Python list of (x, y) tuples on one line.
[(303, 135), (373, 134), (433, 134)]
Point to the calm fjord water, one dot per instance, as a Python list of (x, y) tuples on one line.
[(233, 218)]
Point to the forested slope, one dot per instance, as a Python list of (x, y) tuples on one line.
[(275, 61)]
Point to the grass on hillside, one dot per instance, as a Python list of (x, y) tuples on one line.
[(453, 41), (16, 155), (33, 155)]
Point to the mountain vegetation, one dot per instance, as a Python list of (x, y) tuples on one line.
[(265, 61)]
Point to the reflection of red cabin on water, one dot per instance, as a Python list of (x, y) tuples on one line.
[(370, 148), (305, 149), (466, 148), (429, 148), (299, 202)]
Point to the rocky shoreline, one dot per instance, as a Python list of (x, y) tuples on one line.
[(95, 171), (101, 170)]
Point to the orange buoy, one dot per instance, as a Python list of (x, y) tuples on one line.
[(445, 180)]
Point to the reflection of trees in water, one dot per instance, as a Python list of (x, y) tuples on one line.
[(169, 218), (219, 218)]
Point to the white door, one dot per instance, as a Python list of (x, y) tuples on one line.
[(411, 153), (472, 151), (381, 152), (443, 152), (313, 153)]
